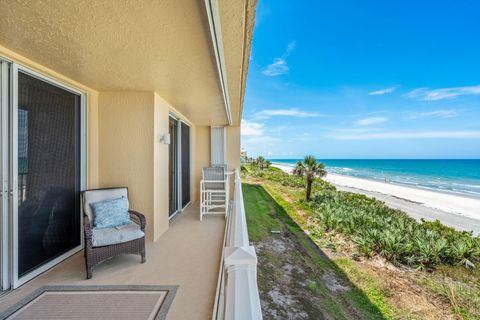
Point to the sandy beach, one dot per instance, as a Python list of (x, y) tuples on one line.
[(462, 213)]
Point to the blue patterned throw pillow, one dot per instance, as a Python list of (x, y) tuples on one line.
[(110, 213)]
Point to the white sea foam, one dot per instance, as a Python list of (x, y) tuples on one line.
[(452, 203)]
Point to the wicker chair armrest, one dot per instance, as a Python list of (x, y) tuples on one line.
[(88, 230), (138, 218)]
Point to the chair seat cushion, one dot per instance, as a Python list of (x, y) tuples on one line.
[(115, 235)]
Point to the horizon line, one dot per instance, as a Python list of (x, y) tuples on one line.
[(375, 158)]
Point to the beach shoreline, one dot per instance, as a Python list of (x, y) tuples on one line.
[(454, 210)]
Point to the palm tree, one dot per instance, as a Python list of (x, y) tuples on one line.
[(261, 162), (268, 163), (310, 168)]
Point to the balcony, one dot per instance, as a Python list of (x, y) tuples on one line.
[(189, 255)]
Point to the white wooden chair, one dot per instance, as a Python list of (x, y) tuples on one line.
[(214, 191)]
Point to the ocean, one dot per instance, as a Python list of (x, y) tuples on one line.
[(460, 177)]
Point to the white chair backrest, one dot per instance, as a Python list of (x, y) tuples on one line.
[(92, 196), (213, 173)]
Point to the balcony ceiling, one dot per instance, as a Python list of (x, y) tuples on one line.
[(162, 46)]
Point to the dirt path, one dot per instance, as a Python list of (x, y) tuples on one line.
[(290, 289)]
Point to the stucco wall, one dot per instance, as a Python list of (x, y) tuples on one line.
[(202, 157), (126, 154), (132, 154), (92, 139)]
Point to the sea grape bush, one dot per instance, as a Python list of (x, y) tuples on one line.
[(377, 229)]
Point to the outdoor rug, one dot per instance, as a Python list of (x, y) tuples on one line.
[(94, 302)]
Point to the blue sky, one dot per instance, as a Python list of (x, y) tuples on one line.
[(364, 79)]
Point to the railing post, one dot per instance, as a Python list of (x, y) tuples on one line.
[(242, 300)]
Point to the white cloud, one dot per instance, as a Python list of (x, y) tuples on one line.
[(410, 135), (356, 130), (432, 114), (290, 48), (259, 141), (252, 129), (382, 91), (279, 65), (370, 121), (426, 94), (292, 112), (277, 129)]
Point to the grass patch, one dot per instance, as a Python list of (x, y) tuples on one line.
[(261, 218), (369, 286), (459, 288)]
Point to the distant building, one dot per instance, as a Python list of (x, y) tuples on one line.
[(243, 156)]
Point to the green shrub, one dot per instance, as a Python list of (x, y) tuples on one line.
[(378, 229)]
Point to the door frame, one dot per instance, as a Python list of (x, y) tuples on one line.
[(5, 249), (177, 166), (13, 181)]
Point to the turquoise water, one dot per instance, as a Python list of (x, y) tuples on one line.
[(453, 176)]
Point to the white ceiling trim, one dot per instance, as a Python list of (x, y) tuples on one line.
[(216, 33)]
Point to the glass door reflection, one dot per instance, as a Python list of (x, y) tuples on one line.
[(48, 155)]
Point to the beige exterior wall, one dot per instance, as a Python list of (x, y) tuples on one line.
[(92, 142), (233, 153), (233, 147), (202, 156), (124, 148), (160, 167), (92, 109), (126, 155), (131, 154)]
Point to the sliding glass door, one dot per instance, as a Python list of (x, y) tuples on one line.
[(185, 160), (41, 171), (47, 172), (173, 167), (179, 166)]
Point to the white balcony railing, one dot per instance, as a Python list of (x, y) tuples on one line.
[(237, 290)]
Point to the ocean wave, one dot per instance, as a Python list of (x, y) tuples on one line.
[(285, 164), (435, 180), (417, 182)]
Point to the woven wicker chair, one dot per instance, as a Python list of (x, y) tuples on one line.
[(96, 253)]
